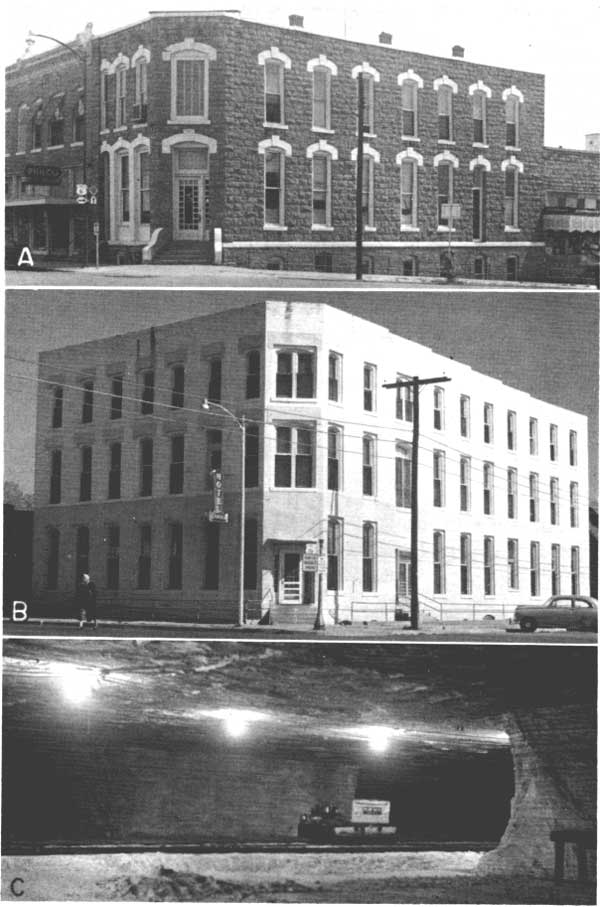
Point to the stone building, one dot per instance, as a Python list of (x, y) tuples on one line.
[(211, 138), (135, 471)]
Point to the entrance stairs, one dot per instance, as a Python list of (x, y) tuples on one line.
[(182, 252)]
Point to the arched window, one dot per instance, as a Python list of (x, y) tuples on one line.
[(274, 187), (140, 110), (410, 83), (322, 70), (479, 93), (189, 80), (36, 126), (79, 121), (322, 155), (22, 129), (512, 98), (57, 122)]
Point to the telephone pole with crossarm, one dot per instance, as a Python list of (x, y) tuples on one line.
[(415, 383)]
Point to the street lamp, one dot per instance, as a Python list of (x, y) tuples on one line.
[(241, 424), (84, 38)]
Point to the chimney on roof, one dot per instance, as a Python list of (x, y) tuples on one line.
[(385, 37), (296, 21), (458, 51)]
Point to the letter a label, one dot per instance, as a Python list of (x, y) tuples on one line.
[(25, 258)]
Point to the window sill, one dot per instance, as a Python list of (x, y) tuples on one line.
[(443, 229), (446, 142), (35, 151), (104, 132), (512, 229), (370, 229), (54, 147), (323, 130), (293, 399), (321, 228), (189, 121), (367, 135), (404, 228), (274, 228), (268, 125), (20, 153), (120, 129), (480, 145), (410, 138), (293, 488), (511, 148), (76, 144)]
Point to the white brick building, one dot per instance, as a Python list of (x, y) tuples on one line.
[(125, 448)]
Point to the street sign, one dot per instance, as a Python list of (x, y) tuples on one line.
[(81, 200), (93, 190), (310, 561), (93, 200), (81, 189), (96, 228), (42, 175), (451, 212)]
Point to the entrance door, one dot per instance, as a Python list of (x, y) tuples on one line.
[(402, 578), (190, 169), (290, 586)]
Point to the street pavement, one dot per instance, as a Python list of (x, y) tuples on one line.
[(452, 631)]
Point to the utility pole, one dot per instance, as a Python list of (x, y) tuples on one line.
[(359, 178), (415, 383)]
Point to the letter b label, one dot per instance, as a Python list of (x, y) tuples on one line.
[(19, 611)]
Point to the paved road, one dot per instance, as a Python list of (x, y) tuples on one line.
[(472, 633)]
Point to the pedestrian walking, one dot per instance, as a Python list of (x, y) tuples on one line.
[(86, 601)]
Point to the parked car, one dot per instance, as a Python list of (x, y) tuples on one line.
[(571, 612)]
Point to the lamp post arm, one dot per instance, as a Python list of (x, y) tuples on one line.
[(68, 47)]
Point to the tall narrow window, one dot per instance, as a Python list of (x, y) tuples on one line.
[(534, 497), (439, 562), (82, 552), (53, 562), (574, 504), (488, 423), (178, 386), (409, 108), (57, 123), (175, 566), (23, 129), (253, 375), (488, 488), (140, 111), (575, 570), (572, 448), (478, 193), (369, 380), (321, 190), (295, 374), (145, 557), (36, 127), (439, 478), (554, 496), (408, 193), (116, 397), (369, 559), (85, 475), (177, 464), (57, 407), (79, 121), (403, 475), (274, 185), (333, 458), (321, 98), (251, 554), (511, 430), (512, 120), (215, 376), (534, 568), (511, 197), (146, 466), (511, 492), (533, 436), (191, 78), (147, 403), (445, 177), (404, 401), (103, 99), (334, 377), (334, 554), (55, 476), (554, 443), (368, 210), (489, 567), (465, 416), (121, 96), (368, 465), (479, 118), (465, 563), (123, 160), (144, 184), (513, 563), (252, 456), (445, 113), (368, 111), (274, 92), (438, 408), (211, 563), (87, 406), (114, 472), (113, 551), (555, 569), (465, 483)]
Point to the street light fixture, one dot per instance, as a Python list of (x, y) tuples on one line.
[(208, 405)]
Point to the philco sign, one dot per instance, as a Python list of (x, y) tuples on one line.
[(42, 175), (217, 515)]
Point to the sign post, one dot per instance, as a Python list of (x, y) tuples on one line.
[(96, 229)]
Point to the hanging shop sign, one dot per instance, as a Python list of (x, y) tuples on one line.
[(217, 514)]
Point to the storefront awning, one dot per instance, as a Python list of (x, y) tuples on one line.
[(572, 223), (37, 202)]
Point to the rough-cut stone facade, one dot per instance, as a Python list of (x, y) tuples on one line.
[(230, 131)]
